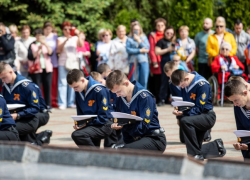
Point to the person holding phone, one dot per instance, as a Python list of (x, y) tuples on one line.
[(137, 47), (43, 74), (164, 47)]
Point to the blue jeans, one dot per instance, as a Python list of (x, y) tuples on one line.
[(142, 73), (66, 94)]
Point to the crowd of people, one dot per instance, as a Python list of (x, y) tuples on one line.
[(131, 74)]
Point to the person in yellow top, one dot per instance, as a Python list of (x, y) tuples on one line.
[(215, 40)]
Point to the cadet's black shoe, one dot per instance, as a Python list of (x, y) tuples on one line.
[(221, 148), (161, 103), (46, 136), (208, 138), (119, 146), (199, 157)]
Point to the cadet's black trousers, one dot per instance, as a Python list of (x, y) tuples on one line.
[(156, 142), (9, 134), (194, 129), (43, 118), (114, 138), (91, 135), (26, 128)]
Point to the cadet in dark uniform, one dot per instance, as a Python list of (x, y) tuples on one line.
[(169, 68), (19, 90), (133, 99), (237, 91), (200, 118), (92, 98), (8, 131)]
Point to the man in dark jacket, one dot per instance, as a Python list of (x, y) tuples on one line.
[(7, 42)]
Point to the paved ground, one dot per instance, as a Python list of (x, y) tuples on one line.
[(61, 125)]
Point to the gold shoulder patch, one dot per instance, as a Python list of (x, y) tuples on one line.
[(104, 101), (1, 111), (34, 94), (147, 120)]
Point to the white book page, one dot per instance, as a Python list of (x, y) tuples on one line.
[(82, 117), (242, 133), (15, 106), (125, 116)]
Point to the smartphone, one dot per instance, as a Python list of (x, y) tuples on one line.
[(173, 45), (136, 32)]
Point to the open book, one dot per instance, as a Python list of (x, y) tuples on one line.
[(15, 106)]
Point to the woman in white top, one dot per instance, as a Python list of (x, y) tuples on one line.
[(66, 47), (118, 56), (21, 50), (103, 48)]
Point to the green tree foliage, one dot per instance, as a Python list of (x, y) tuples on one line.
[(92, 15), (237, 9)]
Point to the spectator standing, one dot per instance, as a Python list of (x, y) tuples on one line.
[(188, 47), (42, 75), (51, 40), (84, 53), (137, 47), (118, 54), (248, 30), (155, 60), (164, 48), (14, 32), (7, 42), (103, 48), (242, 40), (201, 47), (67, 48), (215, 40)]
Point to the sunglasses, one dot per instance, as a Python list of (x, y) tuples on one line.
[(219, 26), (105, 35), (224, 49)]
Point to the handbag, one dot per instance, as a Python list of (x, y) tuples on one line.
[(72, 62), (34, 67)]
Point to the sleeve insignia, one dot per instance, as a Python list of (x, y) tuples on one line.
[(35, 101), (148, 112), (34, 94), (1, 119), (16, 97), (1, 111), (105, 108), (133, 113), (202, 102), (143, 95), (104, 101), (201, 83), (204, 96), (97, 89), (193, 96), (25, 84), (147, 120)]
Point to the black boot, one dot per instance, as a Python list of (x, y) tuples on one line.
[(221, 148)]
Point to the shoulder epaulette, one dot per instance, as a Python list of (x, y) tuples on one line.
[(143, 95), (25, 84), (98, 89)]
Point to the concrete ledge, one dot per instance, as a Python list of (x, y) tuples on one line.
[(122, 159), (227, 169), (18, 151)]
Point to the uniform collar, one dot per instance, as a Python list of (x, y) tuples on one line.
[(19, 80), (138, 89), (197, 78)]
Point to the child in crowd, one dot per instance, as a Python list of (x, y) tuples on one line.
[(180, 64)]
